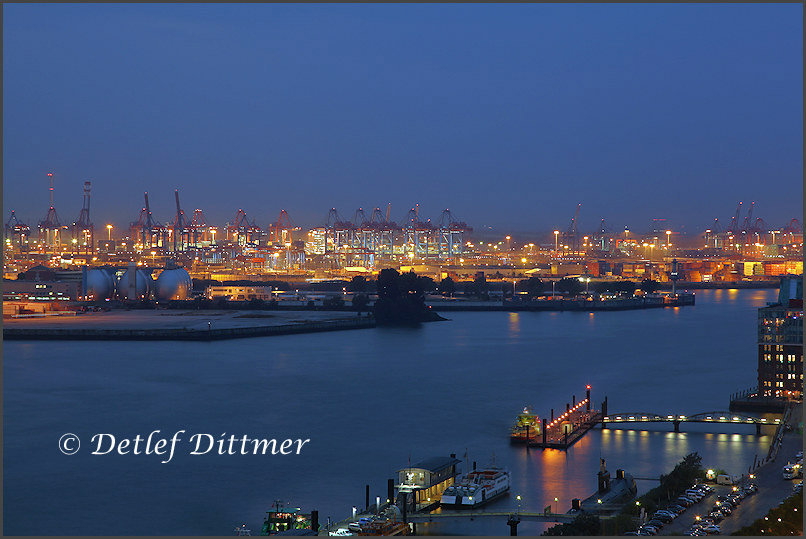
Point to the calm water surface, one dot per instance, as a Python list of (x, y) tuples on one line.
[(370, 400)]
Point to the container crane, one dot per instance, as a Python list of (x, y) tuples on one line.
[(83, 228), (573, 232)]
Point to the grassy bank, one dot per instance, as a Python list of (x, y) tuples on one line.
[(786, 519)]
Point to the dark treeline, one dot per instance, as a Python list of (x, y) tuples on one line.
[(478, 288), (401, 299), (672, 485)]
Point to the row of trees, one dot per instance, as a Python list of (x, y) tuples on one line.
[(401, 298), (533, 286), (785, 519), (685, 474), (478, 287), (688, 472)]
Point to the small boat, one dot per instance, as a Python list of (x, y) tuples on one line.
[(527, 427), (282, 519), (477, 488), (243, 530)]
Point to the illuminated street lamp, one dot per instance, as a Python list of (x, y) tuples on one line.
[(109, 230), (556, 240), (668, 238)]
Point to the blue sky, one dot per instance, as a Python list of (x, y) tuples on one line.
[(509, 115)]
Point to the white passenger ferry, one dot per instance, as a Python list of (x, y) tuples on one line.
[(477, 488)]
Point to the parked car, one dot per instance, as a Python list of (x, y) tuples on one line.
[(663, 517), (712, 530), (655, 523)]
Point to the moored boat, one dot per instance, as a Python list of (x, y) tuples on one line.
[(477, 488)]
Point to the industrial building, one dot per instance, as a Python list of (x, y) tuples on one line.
[(239, 293)]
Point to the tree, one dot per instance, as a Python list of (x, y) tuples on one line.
[(426, 284), (410, 283), (569, 286), (357, 284), (650, 286), (401, 299), (582, 525), (388, 284), (333, 302), (627, 287), (360, 302), (480, 285), (534, 287), (447, 287)]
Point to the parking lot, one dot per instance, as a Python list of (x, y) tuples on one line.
[(772, 489)]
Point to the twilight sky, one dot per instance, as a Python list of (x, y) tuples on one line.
[(509, 115)]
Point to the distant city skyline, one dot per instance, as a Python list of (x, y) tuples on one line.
[(508, 115)]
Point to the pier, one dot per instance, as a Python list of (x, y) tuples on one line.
[(719, 418), (566, 429)]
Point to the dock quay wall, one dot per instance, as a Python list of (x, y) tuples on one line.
[(182, 334), (571, 305)]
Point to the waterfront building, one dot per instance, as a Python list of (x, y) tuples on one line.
[(422, 484), (239, 293), (780, 343)]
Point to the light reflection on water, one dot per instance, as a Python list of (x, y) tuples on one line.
[(370, 401)]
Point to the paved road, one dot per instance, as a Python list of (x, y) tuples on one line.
[(772, 489)]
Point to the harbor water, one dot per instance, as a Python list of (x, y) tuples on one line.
[(371, 401)]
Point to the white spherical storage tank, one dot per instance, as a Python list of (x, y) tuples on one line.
[(135, 283), (100, 284), (173, 284)]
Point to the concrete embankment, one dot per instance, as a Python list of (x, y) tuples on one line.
[(721, 285), (568, 305), (184, 334)]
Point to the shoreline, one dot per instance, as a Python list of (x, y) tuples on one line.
[(184, 334)]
